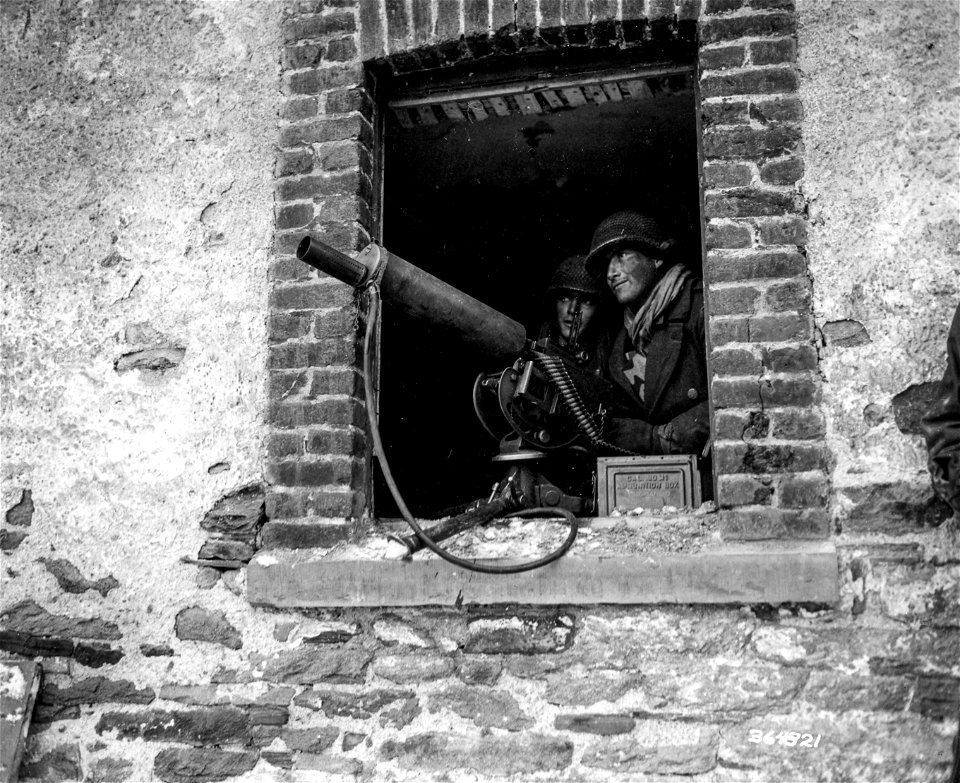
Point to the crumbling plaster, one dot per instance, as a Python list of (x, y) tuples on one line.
[(879, 83), (136, 215)]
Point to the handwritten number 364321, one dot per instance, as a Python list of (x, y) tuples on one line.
[(789, 739)]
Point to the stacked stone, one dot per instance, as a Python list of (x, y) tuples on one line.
[(324, 189), (233, 526), (593, 693), (769, 451), (27, 629), (17, 516)]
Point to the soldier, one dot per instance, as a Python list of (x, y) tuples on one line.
[(941, 425), (941, 428), (658, 355), (573, 305)]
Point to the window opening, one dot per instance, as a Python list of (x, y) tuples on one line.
[(489, 187)]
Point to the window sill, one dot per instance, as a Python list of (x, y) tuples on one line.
[(716, 572)]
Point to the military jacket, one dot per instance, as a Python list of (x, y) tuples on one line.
[(941, 425), (674, 416)]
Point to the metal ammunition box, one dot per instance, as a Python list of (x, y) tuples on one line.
[(647, 482)]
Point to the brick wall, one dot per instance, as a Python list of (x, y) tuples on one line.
[(317, 456), (771, 460), (769, 453)]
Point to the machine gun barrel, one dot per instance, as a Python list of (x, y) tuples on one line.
[(420, 295)]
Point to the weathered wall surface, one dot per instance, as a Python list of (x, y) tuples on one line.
[(137, 222), (879, 87)]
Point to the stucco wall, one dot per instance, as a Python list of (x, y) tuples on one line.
[(879, 86), (136, 224)]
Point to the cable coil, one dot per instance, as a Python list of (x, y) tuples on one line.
[(373, 316)]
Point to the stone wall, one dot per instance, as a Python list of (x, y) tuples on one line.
[(138, 268), (568, 693), (135, 227)]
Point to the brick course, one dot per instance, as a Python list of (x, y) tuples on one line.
[(728, 175), (725, 112), (724, 28), (750, 143), (317, 410), (749, 81), (723, 57), (728, 234), (726, 266), (735, 361)]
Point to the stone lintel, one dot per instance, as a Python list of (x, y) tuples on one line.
[(758, 572)]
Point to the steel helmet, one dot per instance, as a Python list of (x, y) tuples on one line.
[(626, 228), (572, 275)]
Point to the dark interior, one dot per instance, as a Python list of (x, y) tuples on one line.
[(492, 207)]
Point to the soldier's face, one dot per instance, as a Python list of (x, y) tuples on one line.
[(631, 276), (567, 304)]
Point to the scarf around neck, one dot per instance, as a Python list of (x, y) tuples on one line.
[(639, 325)]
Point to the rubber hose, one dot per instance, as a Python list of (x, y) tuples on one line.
[(373, 315)]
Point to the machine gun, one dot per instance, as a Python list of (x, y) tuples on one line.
[(544, 402)]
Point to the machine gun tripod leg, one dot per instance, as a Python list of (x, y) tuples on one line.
[(521, 489)]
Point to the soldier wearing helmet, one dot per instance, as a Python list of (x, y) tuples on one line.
[(658, 356), (573, 300)]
